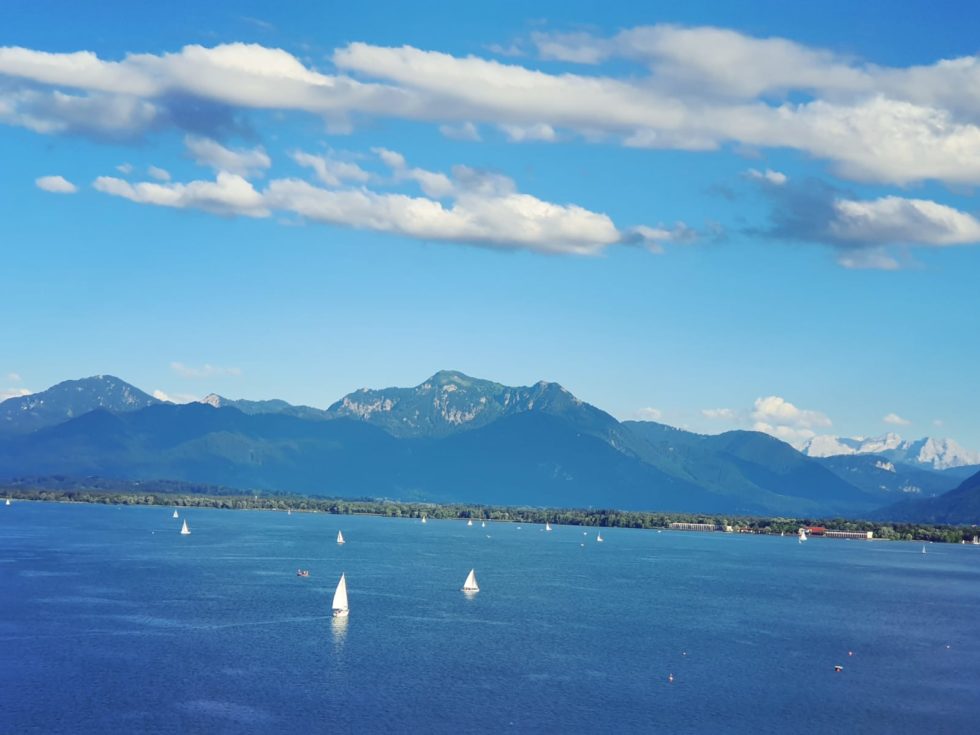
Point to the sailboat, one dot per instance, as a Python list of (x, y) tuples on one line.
[(802, 535), (184, 530), (340, 609), (340, 537), (8, 502), (483, 524), (599, 538), (469, 522), (423, 519), (547, 526), (923, 548), (176, 514), (470, 584)]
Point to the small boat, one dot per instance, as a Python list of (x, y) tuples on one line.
[(469, 522), (184, 530), (483, 524), (923, 548), (547, 526), (340, 609), (599, 538), (340, 537), (423, 519), (802, 535), (838, 668), (289, 511), (176, 514), (470, 584), (8, 502), (302, 572)]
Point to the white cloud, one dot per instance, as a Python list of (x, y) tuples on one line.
[(13, 393), (893, 219), (469, 207), (722, 414), (228, 194), (205, 371), (55, 184), (697, 89), (464, 131), (895, 420), (174, 397), (330, 171), (245, 162), (158, 173), (539, 132), (776, 178), (125, 168), (649, 414), (14, 377), (776, 416)]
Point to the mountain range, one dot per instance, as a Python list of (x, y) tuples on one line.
[(454, 438), (939, 454)]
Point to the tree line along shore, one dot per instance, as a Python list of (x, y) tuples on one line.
[(177, 495)]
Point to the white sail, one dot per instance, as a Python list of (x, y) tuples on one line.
[(176, 514), (8, 501), (340, 537), (599, 537), (423, 519), (547, 526), (802, 535), (469, 522), (470, 584), (184, 530), (483, 525), (340, 598)]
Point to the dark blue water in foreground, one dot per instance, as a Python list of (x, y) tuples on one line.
[(112, 622)]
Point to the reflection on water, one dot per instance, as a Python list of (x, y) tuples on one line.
[(338, 626)]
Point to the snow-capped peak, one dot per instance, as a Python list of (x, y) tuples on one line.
[(939, 454)]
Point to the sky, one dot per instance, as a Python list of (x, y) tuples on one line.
[(713, 215)]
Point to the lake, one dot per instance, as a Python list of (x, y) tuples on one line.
[(110, 621)]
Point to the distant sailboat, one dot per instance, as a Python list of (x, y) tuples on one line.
[(469, 522), (802, 535), (340, 537), (923, 548), (483, 525), (8, 502), (470, 584), (184, 530), (289, 511), (547, 526), (176, 514), (423, 519), (340, 609), (599, 538)]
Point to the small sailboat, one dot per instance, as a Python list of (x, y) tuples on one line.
[(469, 522), (470, 584), (184, 530), (599, 539), (483, 524), (802, 535), (340, 609), (923, 548), (340, 537), (8, 502), (289, 511), (547, 526), (176, 514), (423, 519)]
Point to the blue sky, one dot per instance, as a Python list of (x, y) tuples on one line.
[(714, 215)]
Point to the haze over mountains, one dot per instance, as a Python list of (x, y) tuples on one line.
[(457, 438)]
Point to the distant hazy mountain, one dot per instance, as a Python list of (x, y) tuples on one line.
[(451, 438), (274, 405), (960, 505), (939, 454), (889, 480), (70, 399)]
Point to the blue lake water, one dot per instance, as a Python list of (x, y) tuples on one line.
[(110, 621)]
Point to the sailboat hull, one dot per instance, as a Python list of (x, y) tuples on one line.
[(341, 613)]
